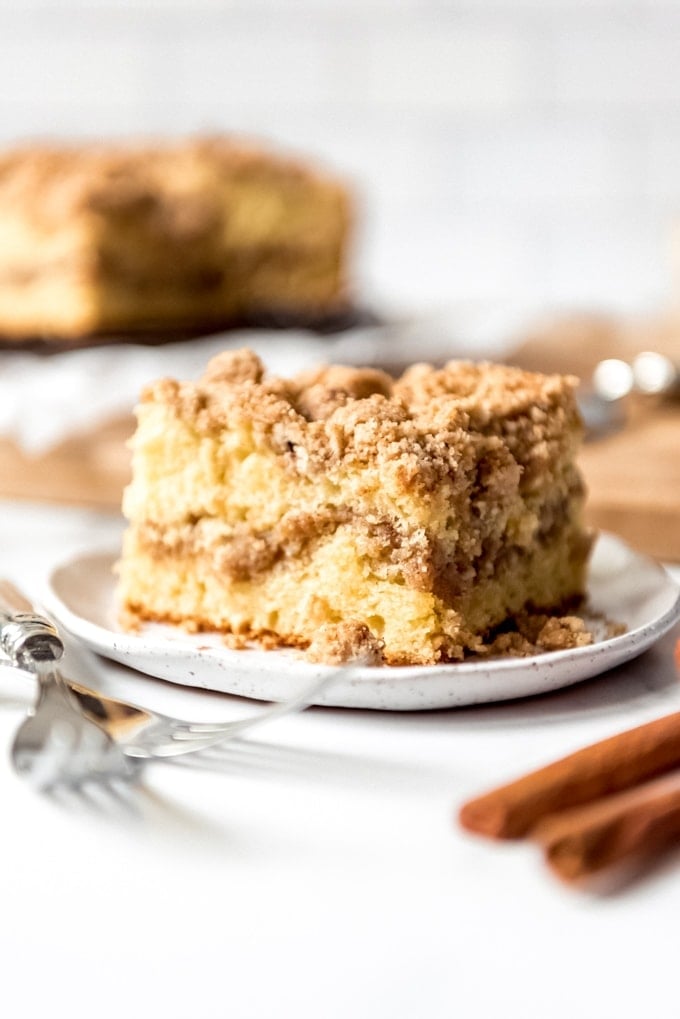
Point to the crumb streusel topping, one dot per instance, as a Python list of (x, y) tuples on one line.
[(427, 422)]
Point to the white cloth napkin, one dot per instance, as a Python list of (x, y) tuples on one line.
[(46, 399)]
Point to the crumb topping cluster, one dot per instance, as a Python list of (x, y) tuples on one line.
[(349, 642), (427, 423)]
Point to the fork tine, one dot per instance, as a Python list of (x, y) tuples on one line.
[(200, 730), (171, 737)]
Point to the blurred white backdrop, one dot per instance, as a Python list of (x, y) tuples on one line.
[(502, 149)]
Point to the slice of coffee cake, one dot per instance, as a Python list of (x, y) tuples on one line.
[(403, 518)]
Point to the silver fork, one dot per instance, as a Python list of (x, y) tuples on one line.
[(56, 745), (75, 734)]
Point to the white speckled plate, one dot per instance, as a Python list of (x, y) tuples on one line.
[(623, 585)]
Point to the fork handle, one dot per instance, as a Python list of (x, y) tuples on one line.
[(26, 637)]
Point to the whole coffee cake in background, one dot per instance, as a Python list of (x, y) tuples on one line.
[(357, 514), (123, 238)]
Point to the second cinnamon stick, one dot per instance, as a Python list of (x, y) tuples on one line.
[(583, 841)]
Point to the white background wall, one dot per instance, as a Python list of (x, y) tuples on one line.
[(526, 150)]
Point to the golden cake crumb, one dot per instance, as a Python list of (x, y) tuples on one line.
[(534, 633), (343, 643)]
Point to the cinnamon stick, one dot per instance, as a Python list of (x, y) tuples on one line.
[(617, 763), (581, 842)]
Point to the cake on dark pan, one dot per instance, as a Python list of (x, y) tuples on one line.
[(176, 237)]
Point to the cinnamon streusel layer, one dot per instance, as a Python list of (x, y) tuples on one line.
[(398, 520)]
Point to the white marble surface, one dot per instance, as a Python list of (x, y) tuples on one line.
[(317, 871)]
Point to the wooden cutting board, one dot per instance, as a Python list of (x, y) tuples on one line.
[(633, 475), (86, 470), (633, 480)]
